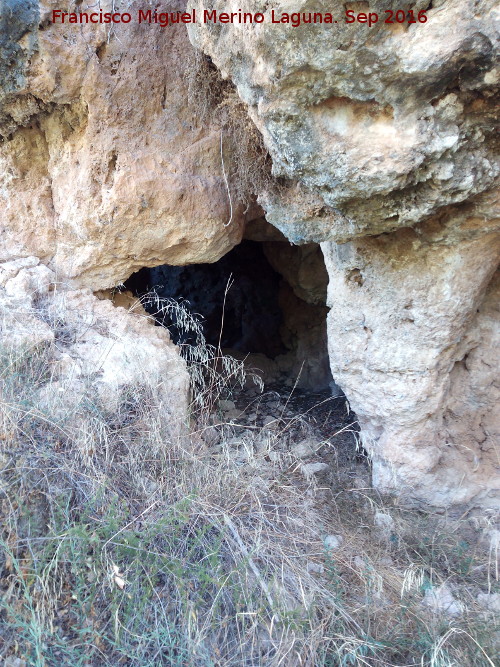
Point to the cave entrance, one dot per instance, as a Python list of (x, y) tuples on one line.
[(264, 301)]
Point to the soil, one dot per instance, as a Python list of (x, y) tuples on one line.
[(296, 415)]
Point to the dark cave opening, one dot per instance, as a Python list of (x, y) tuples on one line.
[(264, 300), (249, 311)]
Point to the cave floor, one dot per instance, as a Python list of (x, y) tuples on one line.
[(316, 428)]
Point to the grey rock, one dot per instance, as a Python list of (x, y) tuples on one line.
[(305, 448), (440, 600), (311, 469), (315, 568), (226, 406), (333, 542), (384, 524), (490, 601), (271, 423)]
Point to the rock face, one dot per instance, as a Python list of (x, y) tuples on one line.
[(384, 135), (378, 127), (97, 354), (412, 327), (99, 143)]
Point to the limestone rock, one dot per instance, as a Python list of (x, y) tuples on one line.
[(302, 267), (100, 144), (383, 141), (440, 600), (333, 542), (305, 448), (375, 128), (412, 327), (120, 351), (94, 350), (490, 601), (311, 469)]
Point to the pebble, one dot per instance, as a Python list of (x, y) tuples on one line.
[(385, 524), (489, 601), (226, 406), (332, 542), (305, 448), (316, 568), (441, 600), (271, 422), (210, 435), (310, 469), (359, 563)]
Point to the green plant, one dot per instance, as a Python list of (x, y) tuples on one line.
[(121, 546)]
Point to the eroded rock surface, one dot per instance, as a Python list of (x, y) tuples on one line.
[(376, 127), (96, 354), (412, 327), (384, 136), (383, 139), (104, 167)]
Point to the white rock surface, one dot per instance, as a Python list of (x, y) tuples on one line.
[(305, 448), (94, 350), (440, 600), (333, 542), (311, 469), (383, 137), (490, 601)]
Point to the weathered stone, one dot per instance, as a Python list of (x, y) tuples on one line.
[(378, 127), (383, 136), (414, 317), (311, 469), (101, 145), (333, 542), (440, 600), (94, 351), (303, 268), (305, 448)]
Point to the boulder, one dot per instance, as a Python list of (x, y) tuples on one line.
[(374, 128), (94, 353)]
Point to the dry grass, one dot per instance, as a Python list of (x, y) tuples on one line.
[(123, 547), (245, 162)]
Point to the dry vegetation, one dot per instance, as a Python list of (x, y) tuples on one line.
[(245, 160), (122, 547)]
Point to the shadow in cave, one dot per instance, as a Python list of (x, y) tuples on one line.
[(270, 299), (262, 299), (236, 298)]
